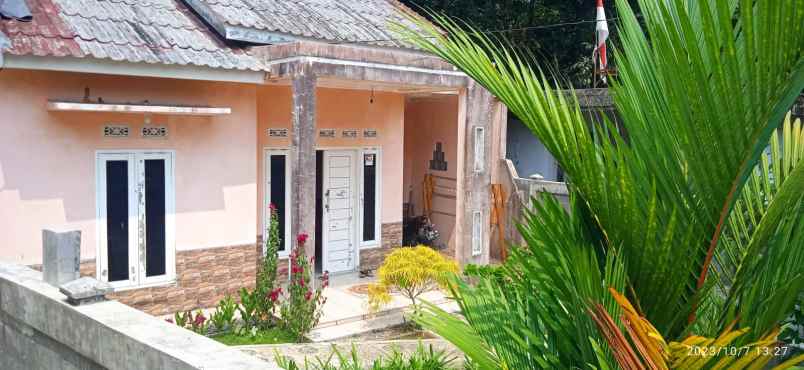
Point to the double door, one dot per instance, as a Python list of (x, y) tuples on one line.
[(135, 218)]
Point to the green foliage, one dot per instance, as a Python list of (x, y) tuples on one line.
[(566, 48), (274, 335), (224, 315), (249, 304), (535, 314), (182, 318), (301, 310), (266, 278), (411, 270), (422, 359), (702, 88)]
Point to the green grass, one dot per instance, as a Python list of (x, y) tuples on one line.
[(268, 336)]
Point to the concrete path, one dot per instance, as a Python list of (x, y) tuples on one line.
[(367, 351), (347, 313)]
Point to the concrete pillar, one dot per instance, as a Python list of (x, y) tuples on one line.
[(302, 154), (476, 119), (61, 255)]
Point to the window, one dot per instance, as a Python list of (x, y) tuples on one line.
[(135, 218), (277, 192), (370, 197)]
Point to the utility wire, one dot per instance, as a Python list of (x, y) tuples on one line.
[(539, 27)]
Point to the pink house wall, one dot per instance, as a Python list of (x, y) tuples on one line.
[(427, 121), (47, 159), (343, 109)]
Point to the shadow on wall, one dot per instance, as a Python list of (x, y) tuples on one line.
[(47, 159)]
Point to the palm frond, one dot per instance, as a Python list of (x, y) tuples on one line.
[(702, 86)]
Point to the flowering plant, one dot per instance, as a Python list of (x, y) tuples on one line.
[(198, 324), (301, 310), (266, 278)]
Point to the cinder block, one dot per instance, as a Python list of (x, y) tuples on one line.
[(61, 255)]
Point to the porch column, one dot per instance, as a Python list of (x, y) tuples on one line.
[(476, 120), (302, 154)]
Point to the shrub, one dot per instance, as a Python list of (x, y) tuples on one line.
[(223, 317), (266, 279), (301, 310), (412, 270)]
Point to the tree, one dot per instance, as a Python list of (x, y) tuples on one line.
[(566, 48), (702, 88)]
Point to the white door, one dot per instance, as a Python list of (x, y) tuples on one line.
[(135, 218), (340, 236)]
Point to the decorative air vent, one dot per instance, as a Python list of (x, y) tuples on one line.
[(154, 132), (438, 163), (277, 132), (328, 133), (477, 233), (370, 133), (115, 131), (480, 149), (349, 134)]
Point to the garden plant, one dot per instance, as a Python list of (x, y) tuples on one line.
[(422, 359), (300, 309), (412, 271), (685, 226)]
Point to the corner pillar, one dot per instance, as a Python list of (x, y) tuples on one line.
[(302, 154), (478, 110)]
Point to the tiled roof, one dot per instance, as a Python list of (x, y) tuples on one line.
[(347, 21), (151, 31)]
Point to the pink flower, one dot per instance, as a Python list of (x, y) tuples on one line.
[(272, 207), (302, 238), (200, 319)]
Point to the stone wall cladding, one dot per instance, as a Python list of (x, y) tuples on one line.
[(203, 277), (371, 259)]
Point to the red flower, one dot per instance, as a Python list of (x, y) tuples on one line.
[(308, 295), (302, 238), (274, 295), (296, 269), (272, 207), (200, 319)]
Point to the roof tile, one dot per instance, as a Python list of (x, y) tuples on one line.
[(150, 31)]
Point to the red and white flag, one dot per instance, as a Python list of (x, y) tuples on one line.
[(602, 32)]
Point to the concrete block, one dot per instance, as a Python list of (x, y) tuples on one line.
[(61, 255), (85, 290)]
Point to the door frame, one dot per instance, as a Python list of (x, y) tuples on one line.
[(266, 195), (354, 188), (134, 156)]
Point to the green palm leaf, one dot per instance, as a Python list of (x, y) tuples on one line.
[(702, 86), (760, 261)]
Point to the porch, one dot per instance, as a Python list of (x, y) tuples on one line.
[(357, 142)]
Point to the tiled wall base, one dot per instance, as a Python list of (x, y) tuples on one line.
[(370, 259), (203, 277)]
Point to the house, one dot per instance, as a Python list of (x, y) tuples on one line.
[(163, 129)]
